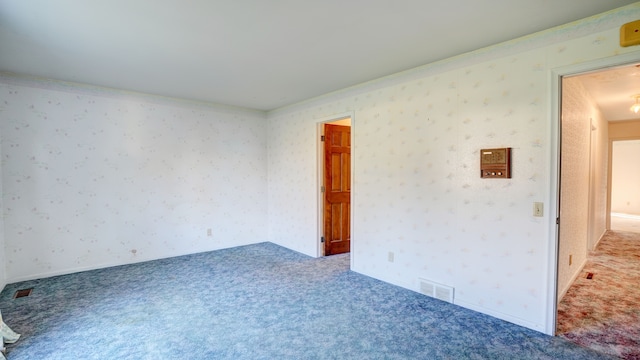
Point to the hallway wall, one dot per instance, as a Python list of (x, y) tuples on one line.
[(583, 127)]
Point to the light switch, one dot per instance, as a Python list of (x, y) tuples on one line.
[(538, 209)]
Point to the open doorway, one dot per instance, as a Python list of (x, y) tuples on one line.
[(335, 177), (625, 192), (590, 303)]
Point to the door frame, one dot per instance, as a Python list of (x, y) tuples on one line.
[(591, 242), (556, 75), (320, 178)]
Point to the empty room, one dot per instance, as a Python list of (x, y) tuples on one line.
[(301, 180)]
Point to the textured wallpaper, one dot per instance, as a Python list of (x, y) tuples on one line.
[(417, 191), (92, 181), (579, 111), (3, 258), (599, 178)]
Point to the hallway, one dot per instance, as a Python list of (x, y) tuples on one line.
[(601, 310), (624, 222)]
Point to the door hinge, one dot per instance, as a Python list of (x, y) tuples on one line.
[(322, 239), (557, 221), (322, 188), (322, 138)]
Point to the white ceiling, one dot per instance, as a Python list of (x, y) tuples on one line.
[(258, 54), (613, 90)]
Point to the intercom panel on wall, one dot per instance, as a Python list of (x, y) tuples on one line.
[(495, 163)]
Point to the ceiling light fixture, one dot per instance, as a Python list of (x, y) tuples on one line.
[(635, 107)]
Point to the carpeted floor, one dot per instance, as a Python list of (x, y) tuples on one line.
[(254, 302), (625, 222), (603, 312)]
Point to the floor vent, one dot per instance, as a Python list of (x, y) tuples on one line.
[(22, 293), (437, 291)]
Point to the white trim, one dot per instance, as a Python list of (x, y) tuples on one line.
[(79, 269), (626, 216), (320, 171), (499, 315), (573, 278), (556, 75), (600, 238), (554, 211), (592, 184)]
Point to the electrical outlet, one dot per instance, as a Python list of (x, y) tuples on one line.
[(630, 33), (538, 209), (209, 232), (390, 256)]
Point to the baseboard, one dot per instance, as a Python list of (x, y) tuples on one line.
[(49, 274), (626, 216), (501, 316), (599, 239), (44, 275), (573, 278), (464, 304)]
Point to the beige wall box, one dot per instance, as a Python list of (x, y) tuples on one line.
[(495, 163), (630, 33)]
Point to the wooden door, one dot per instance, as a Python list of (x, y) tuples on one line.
[(337, 189)]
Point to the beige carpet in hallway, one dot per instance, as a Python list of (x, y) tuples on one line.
[(601, 310)]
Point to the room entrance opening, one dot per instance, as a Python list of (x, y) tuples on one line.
[(335, 190)]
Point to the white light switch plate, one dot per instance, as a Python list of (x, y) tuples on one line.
[(538, 209)]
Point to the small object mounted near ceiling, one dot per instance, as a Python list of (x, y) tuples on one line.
[(630, 34), (635, 107)]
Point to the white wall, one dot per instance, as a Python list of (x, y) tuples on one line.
[(599, 179), (90, 177), (93, 179), (3, 258), (625, 192), (417, 190)]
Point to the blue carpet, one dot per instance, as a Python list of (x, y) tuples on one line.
[(254, 302)]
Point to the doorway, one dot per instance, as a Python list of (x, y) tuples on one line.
[(625, 193), (335, 179), (586, 196)]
